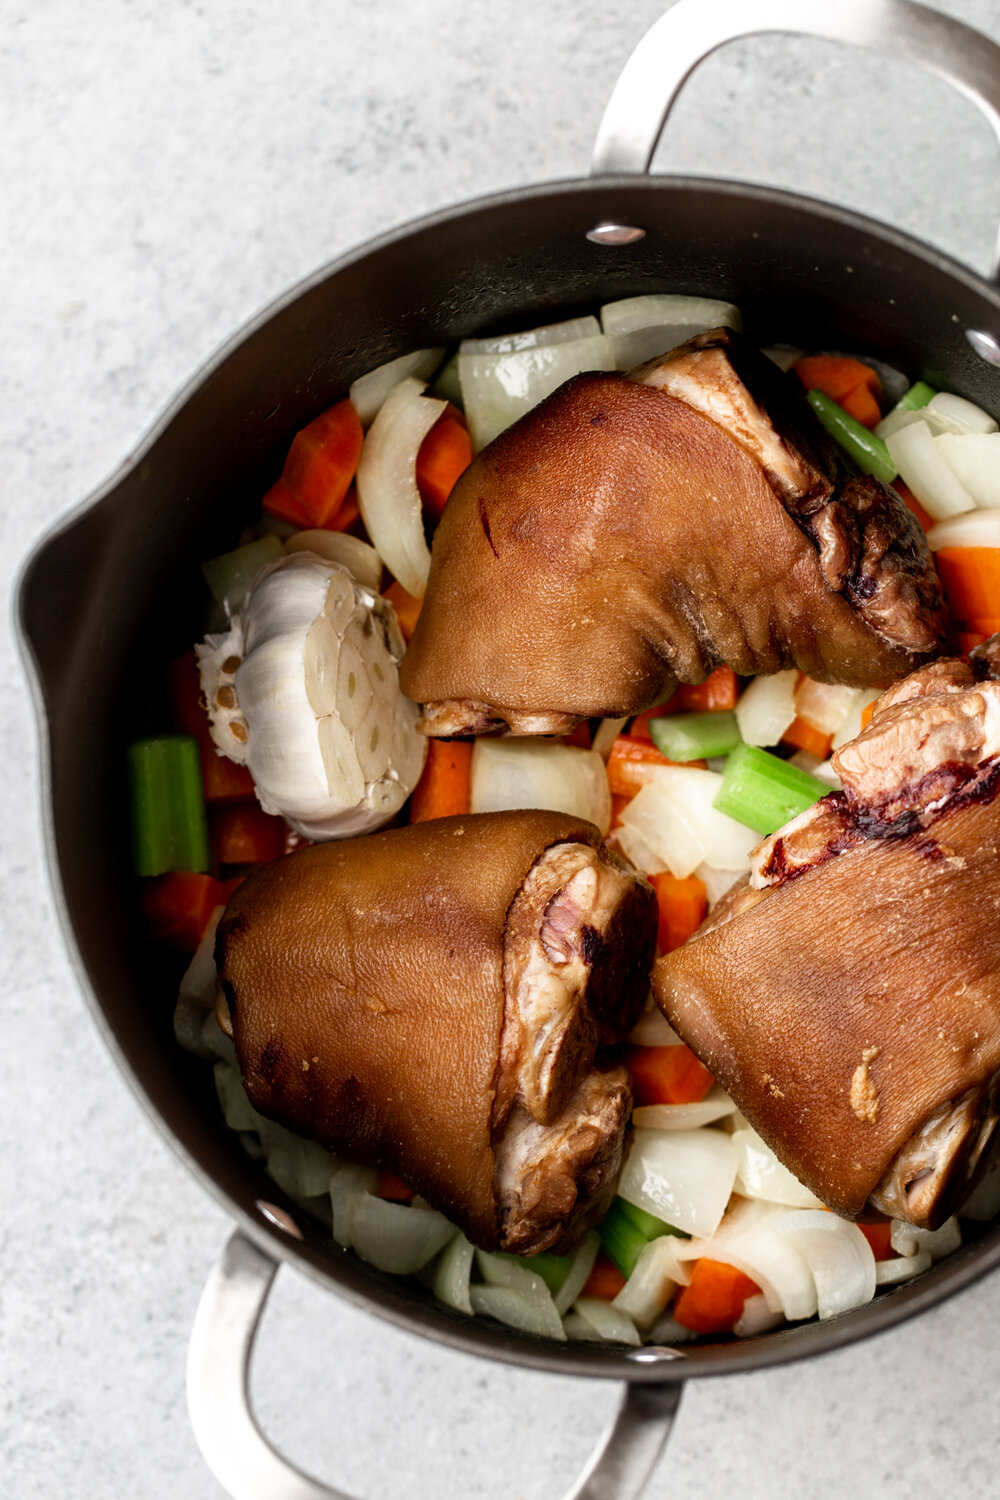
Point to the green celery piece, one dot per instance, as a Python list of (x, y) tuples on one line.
[(446, 384), (863, 447), (695, 736), (763, 792), (230, 576), (916, 397), (648, 1225), (169, 824), (622, 1241), (553, 1269)]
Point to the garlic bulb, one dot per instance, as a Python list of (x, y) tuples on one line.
[(304, 690)]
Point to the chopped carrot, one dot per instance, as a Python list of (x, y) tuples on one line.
[(605, 1280), (444, 454), (968, 640), (618, 806), (407, 608), (223, 779), (443, 788), (392, 1187), (348, 513), (713, 1300), (866, 714), (639, 727), (911, 502), (682, 904), (633, 761), (667, 1075), (837, 376), (986, 627), (877, 1236), (322, 462), (178, 906), (244, 834), (805, 737), (719, 691), (579, 736), (861, 404), (971, 578), (281, 503)]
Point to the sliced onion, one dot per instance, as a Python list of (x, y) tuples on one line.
[(453, 1274), (666, 1332), (673, 814), (902, 1268), (851, 727), (605, 735), (613, 1325), (975, 460), (653, 1029), (189, 1027), (837, 1254), (717, 882), (237, 1111), (640, 328), (976, 528), (518, 1309), (684, 1177), (716, 1105), (579, 1330), (200, 979), (907, 1239), (652, 1283), (745, 1240), (509, 1270), (497, 389), (759, 1173), (302, 1168), (369, 392), (637, 851), (348, 1182), (783, 356), (388, 497), (216, 1043), (508, 774), (580, 1268), (534, 338), (395, 1237), (362, 561), (767, 707), (959, 414), (824, 705), (923, 468), (756, 1318)]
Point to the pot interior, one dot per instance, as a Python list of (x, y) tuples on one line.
[(117, 593)]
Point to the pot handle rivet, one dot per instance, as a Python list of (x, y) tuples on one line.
[(985, 345), (615, 234), (248, 1468)]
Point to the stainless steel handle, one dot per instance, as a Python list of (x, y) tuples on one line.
[(245, 1464), (672, 48)]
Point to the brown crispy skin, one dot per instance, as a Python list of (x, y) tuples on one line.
[(375, 1031), (612, 539), (890, 951)]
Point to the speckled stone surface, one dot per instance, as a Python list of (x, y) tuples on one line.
[(167, 170)]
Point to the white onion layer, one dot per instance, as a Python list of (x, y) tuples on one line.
[(388, 497), (369, 392), (509, 774), (497, 389), (924, 469), (349, 552), (684, 1177), (902, 1268), (907, 1239), (766, 708), (607, 1320), (651, 1285), (976, 528), (716, 1105), (674, 817), (837, 1254), (974, 458), (759, 1173)]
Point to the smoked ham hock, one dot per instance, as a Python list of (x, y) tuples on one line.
[(848, 993), (432, 999), (633, 531)]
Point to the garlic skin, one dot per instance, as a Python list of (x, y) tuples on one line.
[(303, 689)]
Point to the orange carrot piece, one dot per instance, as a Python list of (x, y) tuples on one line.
[(861, 404), (392, 1187), (618, 806), (987, 627), (667, 1075), (968, 640), (444, 454), (639, 727), (805, 737), (407, 608), (443, 788), (866, 714), (178, 906), (837, 376), (222, 779), (579, 736), (971, 578), (244, 834), (605, 1280), (682, 907), (713, 1300), (322, 461), (633, 761), (348, 514), (911, 502), (719, 691), (281, 503), (877, 1236)]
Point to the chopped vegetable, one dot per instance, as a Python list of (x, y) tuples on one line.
[(349, 552), (878, 1237), (971, 579), (911, 502), (169, 827), (230, 576), (853, 385), (348, 513), (392, 1187), (639, 727), (387, 482), (805, 736), (767, 707), (623, 1242), (608, 1321), (647, 1224), (369, 393), (974, 457), (445, 453), (759, 1173), (855, 722), (863, 407), (923, 467), (975, 528), (179, 905), (866, 450), (687, 737), (764, 792), (222, 779), (713, 1300), (245, 834), (632, 764), (640, 328), (837, 1254), (320, 466), (553, 1269), (676, 818), (407, 607), (823, 705), (520, 773), (667, 1075), (280, 503), (684, 1177), (917, 396), (499, 387), (443, 788), (605, 1280), (720, 690), (682, 907), (605, 735)]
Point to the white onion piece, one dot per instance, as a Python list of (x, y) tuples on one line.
[(759, 1173), (216, 1043), (653, 1029), (498, 1269), (902, 1268), (237, 1111), (851, 727), (717, 882), (497, 389), (640, 328), (756, 1318), (673, 814), (579, 1270), (579, 1330), (766, 708), (508, 774), (534, 338), (666, 1331), (924, 469), (684, 1177), (907, 1239), (637, 851), (395, 1237), (369, 392), (200, 979), (983, 1203), (824, 705), (613, 1325), (348, 1182), (300, 1167), (518, 1309), (388, 497), (189, 1027), (837, 1254), (895, 421), (976, 528), (716, 1105), (605, 735), (821, 769), (453, 1273), (974, 458), (651, 1285), (745, 1240), (961, 415), (349, 552), (782, 356)]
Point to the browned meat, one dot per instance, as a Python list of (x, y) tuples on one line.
[(412, 997), (848, 994), (636, 530)]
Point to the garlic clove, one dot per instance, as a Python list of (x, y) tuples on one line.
[(345, 779)]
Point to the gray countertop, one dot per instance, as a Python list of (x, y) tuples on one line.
[(167, 171)]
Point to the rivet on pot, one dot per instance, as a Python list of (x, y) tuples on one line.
[(986, 345), (654, 1354), (615, 234), (279, 1218)]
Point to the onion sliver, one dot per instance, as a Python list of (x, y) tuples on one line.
[(453, 1274), (837, 1254), (684, 1177), (395, 1237), (579, 1330), (783, 356), (348, 1182), (388, 497), (976, 528), (613, 1325), (851, 727), (653, 1029), (745, 1240), (651, 1285), (533, 338), (922, 466), (509, 1270), (369, 392), (510, 774), (824, 705), (975, 459), (756, 1318), (499, 388), (717, 882), (902, 1268), (766, 708), (518, 1310), (759, 1173), (638, 852), (605, 735), (959, 414), (674, 816), (360, 560), (716, 1105), (579, 1270), (200, 979), (640, 328), (907, 1239)]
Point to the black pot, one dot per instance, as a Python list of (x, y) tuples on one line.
[(99, 598)]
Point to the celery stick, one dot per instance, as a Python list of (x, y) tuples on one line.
[(863, 447), (917, 396), (230, 576), (685, 737), (763, 792), (623, 1242), (553, 1269), (647, 1224), (169, 826)]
